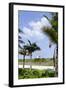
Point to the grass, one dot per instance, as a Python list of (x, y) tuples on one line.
[(41, 61), (34, 73)]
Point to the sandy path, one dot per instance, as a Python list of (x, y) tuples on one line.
[(37, 67)]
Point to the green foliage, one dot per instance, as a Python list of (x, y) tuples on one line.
[(54, 21), (31, 47), (33, 73), (36, 73), (37, 61), (49, 73), (20, 41), (40, 60), (52, 34)]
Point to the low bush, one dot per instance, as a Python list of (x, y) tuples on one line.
[(48, 73), (33, 73)]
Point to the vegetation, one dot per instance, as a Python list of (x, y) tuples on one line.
[(22, 50), (34, 73), (37, 61), (52, 33), (26, 49), (31, 47)]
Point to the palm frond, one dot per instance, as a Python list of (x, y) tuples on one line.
[(51, 33), (21, 41), (20, 31), (29, 42), (19, 46), (21, 52), (53, 21), (31, 48), (19, 37), (47, 19)]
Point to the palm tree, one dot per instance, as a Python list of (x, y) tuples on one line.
[(26, 49), (52, 33), (20, 41), (22, 50), (32, 47)]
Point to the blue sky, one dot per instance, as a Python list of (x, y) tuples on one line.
[(31, 22)]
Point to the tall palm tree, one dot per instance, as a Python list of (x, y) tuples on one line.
[(21, 50), (52, 33), (32, 47), (20, 41), (26, 49)]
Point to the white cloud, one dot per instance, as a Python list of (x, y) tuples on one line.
[(27, 31), (39, 24), (35, 25), (35, 29)]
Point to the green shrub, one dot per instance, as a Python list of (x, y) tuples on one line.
[(36, 73), (51, 74), (32, 73), (43, 74), (20, 71)]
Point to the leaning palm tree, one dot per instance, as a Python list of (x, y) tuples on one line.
[(52, 33), (26, 50), (21, 50), (20, 41), (32, 47), (53, 36)]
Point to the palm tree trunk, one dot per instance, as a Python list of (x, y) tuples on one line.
[(54, 58), (31, 61), (23, 61), (56, 61), (56, 64)]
